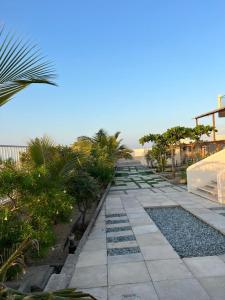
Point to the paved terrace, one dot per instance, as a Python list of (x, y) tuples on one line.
[(127, 257)]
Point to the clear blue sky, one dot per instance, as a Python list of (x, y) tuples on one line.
[(137, 66)]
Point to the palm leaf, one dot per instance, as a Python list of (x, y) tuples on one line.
[(40, 150), (70, 293), (21, 64), (14, 256)]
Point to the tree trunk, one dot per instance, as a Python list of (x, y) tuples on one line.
[(192, 152), (161, 163), (151, 163), (83, 212), (196, 151), (83, 219), (173, 162)]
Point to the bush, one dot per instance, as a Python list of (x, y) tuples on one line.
[(49, 181), (84, 189), (36, 203)]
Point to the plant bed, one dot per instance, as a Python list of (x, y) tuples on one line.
[(121, 174), (188, 235)]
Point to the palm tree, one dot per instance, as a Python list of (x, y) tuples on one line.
[(41, 150), (21, 64), (117, 149), (104, 141)]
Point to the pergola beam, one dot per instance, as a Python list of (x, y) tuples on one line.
[(218, 110), (211, 113)]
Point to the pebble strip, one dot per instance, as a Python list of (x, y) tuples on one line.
[(187, 234), (116, 221), (117, 239), (123, 251), (116, 229), (115, 215)]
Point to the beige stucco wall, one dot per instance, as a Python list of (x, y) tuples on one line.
[(139, 154)]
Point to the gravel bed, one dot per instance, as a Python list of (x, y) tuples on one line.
[(117, 221), (188, 235), (123, 251), (117, 239), (116, 229), (115, 215)]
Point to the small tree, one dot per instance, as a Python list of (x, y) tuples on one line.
[(149, 158), (159, 149), (173, 137), (84, 189), (160, 155), (197, 133)]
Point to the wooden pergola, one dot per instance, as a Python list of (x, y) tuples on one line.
[(219, 111)]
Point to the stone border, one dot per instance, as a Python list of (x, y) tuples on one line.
[(91, 223), (221, 230)]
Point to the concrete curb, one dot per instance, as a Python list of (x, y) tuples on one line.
[(91, 223)]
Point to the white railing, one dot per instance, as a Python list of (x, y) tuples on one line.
[(205, 171), (11, 151)]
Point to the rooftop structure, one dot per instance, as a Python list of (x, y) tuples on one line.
[(220, 111)]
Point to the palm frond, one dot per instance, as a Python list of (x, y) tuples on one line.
[(70, 293), (21, 64), (85, 138), (40, 150), (15, 256), (73, 165), (116, 135)]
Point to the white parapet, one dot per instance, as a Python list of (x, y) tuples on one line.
[(207, 170), (221, 186)]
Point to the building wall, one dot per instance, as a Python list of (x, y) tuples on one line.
[(184, 152), (139, 154)]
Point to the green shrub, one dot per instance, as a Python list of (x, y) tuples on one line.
[(7, 293), (84, 189), (36, 203)]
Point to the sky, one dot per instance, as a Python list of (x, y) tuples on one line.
[(135, 66)]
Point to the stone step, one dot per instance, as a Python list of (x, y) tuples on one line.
[(211, 186), (208, 190), (206, 195), (214, 182)]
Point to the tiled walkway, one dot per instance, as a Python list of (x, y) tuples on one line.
[(127, 257)]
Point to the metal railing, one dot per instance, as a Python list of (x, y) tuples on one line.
[(11, 152)]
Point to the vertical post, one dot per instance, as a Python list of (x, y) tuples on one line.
[(196, 122), (214, 126), (219, 100)]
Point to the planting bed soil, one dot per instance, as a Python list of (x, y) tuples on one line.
[(188, 235)]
